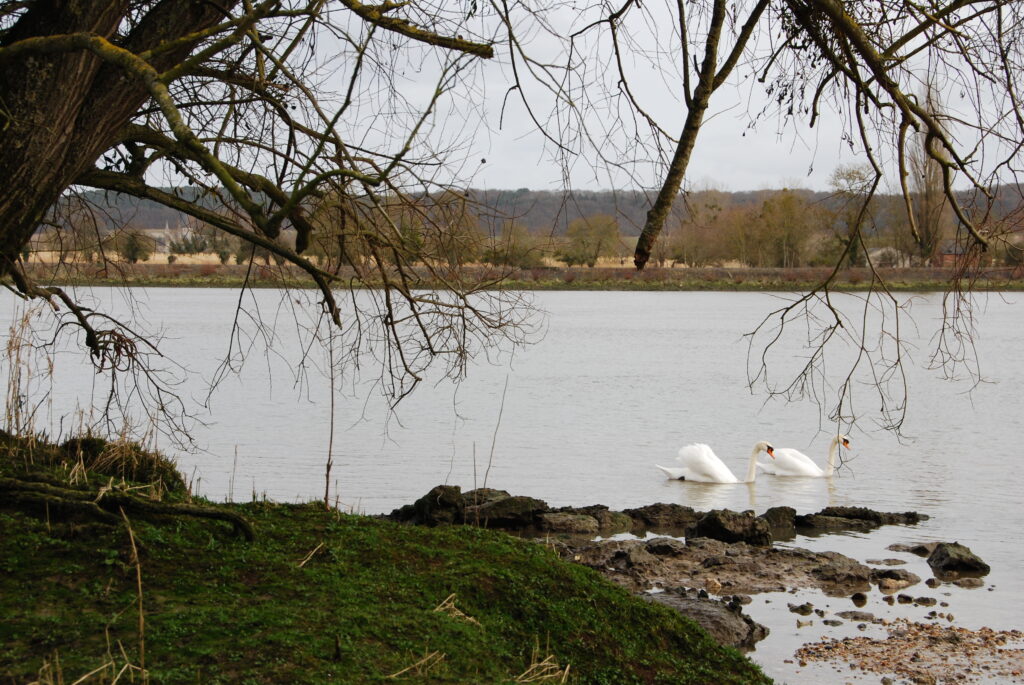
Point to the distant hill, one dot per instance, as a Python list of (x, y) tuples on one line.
[(541, 211)]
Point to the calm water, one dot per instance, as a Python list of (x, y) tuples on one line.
[(618, 382)]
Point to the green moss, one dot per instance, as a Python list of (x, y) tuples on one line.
[(219, 610)]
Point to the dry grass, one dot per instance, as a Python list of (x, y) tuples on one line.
[(124, 459), (448, 607), (543, 670), (421, 667)]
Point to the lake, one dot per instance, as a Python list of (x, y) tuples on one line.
[(617, 383)]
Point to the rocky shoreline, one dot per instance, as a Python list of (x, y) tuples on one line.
[(707, 564), (490, 508)]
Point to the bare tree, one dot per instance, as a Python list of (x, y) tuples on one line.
[(272, 108), (866, 61), (930, 206), (851, 185), (259, 112)]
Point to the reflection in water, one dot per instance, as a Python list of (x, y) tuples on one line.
[(803, 494), (706, 496)]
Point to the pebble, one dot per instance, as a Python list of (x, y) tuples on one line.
[(969, 582), (917, 652)]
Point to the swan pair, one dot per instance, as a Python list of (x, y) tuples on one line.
[(701, 464)]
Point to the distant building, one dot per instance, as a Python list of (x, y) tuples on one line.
[(950, 253), (954, 252)]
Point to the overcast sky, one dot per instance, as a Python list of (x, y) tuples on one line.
[(728, 156)]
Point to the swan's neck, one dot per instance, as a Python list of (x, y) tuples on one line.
[(752, 467), (833, 450)]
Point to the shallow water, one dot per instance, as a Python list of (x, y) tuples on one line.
[(618, 383)]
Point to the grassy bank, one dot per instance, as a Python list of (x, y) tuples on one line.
[(317, 596), (546, 278)]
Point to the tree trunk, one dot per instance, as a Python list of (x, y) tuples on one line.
[(60, 111)]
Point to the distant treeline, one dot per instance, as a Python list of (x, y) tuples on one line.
[(542, 212)]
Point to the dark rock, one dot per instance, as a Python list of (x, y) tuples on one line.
[(513, 513), (904, 599), (591, 510), (608, 522), (925, 601), (885, 562), (575, 524), (804, 609), (728, 626), (663, 516), (856, 615), (839, 570), (613, 522), (951, 559), (483, 496), (859, 599), (404, 513), (921, 549), (442, 505), (892, 579), (636, 557), (818, 523), (666, 547), (933, 582), (879, 518), (731, 526), (781, 522), (832, 622)]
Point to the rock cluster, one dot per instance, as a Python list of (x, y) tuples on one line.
[(447, 504)]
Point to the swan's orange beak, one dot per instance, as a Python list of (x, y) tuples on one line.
[(846, 443), (771, 452)]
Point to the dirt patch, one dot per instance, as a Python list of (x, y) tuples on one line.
[(928, 653), (721, 568)]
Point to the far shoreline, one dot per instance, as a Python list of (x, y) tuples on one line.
[(623, 278)]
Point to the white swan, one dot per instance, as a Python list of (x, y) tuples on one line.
[(791, 462), (701, 464)]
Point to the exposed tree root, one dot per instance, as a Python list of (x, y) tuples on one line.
[(101, 505)]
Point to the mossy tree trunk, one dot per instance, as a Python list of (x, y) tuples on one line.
[(63, 106)]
